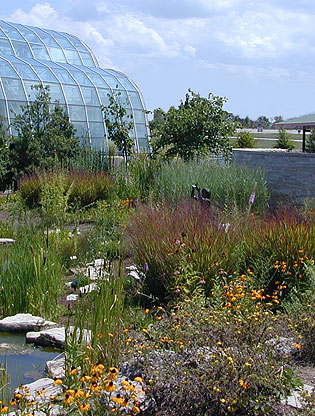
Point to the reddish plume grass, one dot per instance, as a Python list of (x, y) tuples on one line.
[(166, 238)]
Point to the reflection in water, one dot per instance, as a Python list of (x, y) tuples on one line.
[(23, 363)]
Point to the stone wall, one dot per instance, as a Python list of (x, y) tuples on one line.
[(290, 175)]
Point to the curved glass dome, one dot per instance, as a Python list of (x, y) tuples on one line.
[(31, 56)]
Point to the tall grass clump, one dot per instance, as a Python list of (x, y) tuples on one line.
[(31, 276), (70, 189), (191, 246), (230, 185)]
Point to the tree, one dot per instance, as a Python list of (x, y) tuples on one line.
[(310, 142), (264, 122), (119, 125), (245, 140), (44, 136), (4, 154), (197, 127), (283, 141)]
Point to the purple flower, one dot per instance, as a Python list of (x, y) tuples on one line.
[(146, 267), (253, 194)]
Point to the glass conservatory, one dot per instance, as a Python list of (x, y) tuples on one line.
[(31, 56)]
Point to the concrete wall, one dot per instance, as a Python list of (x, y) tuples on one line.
[(290, 175)]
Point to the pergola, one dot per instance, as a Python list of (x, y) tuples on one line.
[(305, 123)]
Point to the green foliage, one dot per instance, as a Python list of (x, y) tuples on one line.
[(284, 140), (4, 154), (310, 142), (245, 140), (31, 276), (75, 189), (197, 127), (119, 124), (44, 137), (231, 185)]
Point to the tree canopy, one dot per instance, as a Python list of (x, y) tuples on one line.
[(197, 127)]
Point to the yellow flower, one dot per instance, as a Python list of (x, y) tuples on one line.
[(136, 409), (69, 399), (113, 371), (73, 371), (4, 409), (296, 345), (85, 407), (109, 385), (243, 384), (56, 382), (139, 379)]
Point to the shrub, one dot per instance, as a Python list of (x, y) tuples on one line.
[(283, 141), (310, 142), (245, 140), (204, 361)]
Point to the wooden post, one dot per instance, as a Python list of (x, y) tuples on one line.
[(303, 143)]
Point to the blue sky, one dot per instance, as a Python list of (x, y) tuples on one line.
[(260, 55)]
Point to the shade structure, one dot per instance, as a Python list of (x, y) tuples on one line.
[(31, 56)]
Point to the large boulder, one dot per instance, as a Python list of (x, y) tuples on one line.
[(24, 322)]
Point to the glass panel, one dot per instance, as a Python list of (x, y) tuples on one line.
[(99, 143), (2, 35), (25, 71), (44, 73), (141, 130), (5, 47), (114, 83), (94, 113), (1, 93), (46, 37), (139, 116), (143, 144), (31, 92), (103, 95), (73, 57), (97, 130), (6, 70), (87, 59), (40, 52), (28, 34), (56, 93), (3, 109), (10, 31), (81, 78), (13, 89), (56, 54), (77, 113), (90, 96), (15, 107), (62, 40), (77, 43), (22, 50), (135, 99), (96, 79), (124, 81), (73, 94), (63, 75), (82, 130)]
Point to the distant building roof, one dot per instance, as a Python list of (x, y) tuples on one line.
[(305, 121)]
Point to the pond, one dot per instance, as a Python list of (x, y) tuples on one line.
[(21, 363)]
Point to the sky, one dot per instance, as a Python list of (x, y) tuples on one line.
[(260, 55)]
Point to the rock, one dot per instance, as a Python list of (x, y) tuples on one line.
[(7, 241), (39, 385), (56, 367), (56, 337), (135, 273), (294, 400), (72, 297), (96, 269), (282, 345), (88, 288), (24, 322)]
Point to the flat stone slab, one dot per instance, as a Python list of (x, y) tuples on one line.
[(40, 384), (7, 241), (72, 297), (24, 322), (56, 337), (88, 288), (294, 400), (56, 367)]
